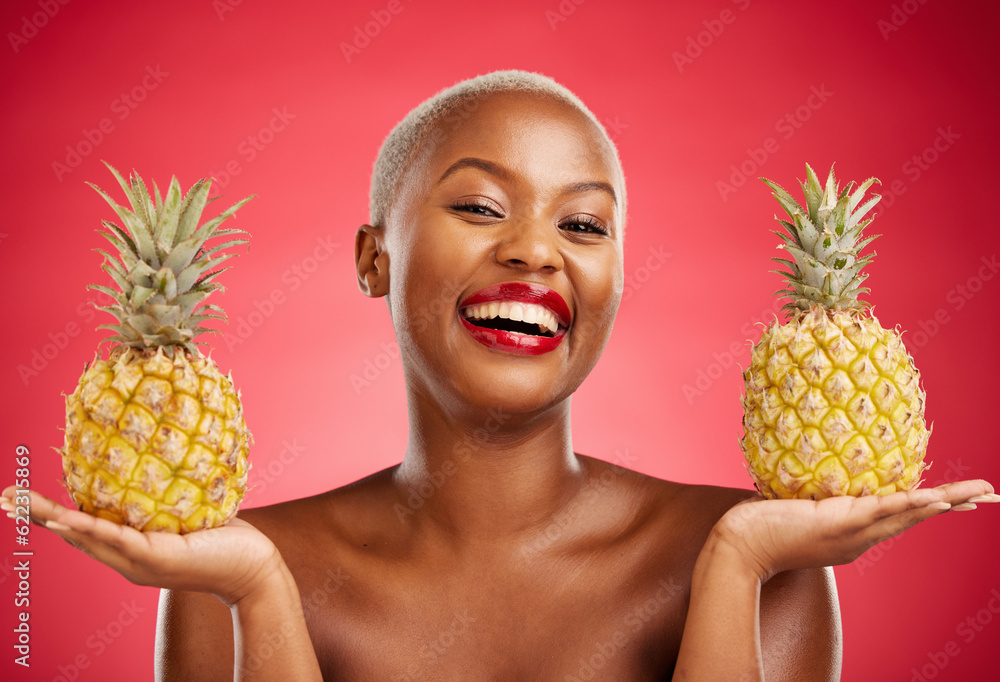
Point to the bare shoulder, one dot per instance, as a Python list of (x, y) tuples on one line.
[(689, 509), (339, 504), (799, 611)]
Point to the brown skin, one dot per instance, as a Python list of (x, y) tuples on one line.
[(529, 557), (397, 605), (493, 551)]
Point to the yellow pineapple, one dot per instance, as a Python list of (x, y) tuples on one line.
[(155, 436), (832, 401)]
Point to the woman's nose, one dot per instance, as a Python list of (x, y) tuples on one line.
[(531, 244)]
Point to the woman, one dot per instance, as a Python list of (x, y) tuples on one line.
[(496, 238)]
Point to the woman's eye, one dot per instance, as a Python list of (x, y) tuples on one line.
[(476, 208), (586, 224)]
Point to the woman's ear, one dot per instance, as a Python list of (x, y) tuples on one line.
[(372, 261)]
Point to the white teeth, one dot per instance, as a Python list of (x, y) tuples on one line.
[(513, 310), (548, 320)]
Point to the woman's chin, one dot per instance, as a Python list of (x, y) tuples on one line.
[(510, 394)]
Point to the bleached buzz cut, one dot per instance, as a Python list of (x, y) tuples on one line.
[(407, 138)]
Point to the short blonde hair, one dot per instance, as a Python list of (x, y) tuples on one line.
[(406, 139)]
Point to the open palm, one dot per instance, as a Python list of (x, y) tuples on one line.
[(781, 535), (225, 561)]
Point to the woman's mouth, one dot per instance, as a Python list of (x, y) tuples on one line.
[(516, 317)]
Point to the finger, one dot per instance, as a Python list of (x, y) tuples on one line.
[(102, 535), (953, 497), (41, 508), (886, 506), (875, 508), (892, 526), (962, 491), (122, 548), (14, 500)]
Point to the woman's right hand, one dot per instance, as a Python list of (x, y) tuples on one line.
[(780, 535), (228, 561)]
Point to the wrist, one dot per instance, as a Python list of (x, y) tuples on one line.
[(727, 546), (269, 579)]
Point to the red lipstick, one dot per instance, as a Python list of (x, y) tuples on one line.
[(514, 342)]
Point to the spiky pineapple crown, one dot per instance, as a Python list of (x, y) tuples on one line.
[(824, 239), (163, 269)]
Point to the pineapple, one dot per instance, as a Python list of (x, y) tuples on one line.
[(155, 436), (832, 401)]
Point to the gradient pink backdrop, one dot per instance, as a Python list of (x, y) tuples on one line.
[(894, 79)]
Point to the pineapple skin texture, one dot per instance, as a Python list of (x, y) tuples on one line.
[(833, 406), (156, 443)]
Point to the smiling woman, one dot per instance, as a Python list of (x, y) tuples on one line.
[(524, 559)]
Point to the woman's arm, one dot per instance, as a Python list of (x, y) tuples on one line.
[(271, 640), (264, 635), (722, 631), (194, 638), (792, 620), (236, 564), (800, 635), (756, 541)]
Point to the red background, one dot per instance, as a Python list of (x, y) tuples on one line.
[(224, 68)]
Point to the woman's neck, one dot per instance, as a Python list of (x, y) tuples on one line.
[(486, 475)]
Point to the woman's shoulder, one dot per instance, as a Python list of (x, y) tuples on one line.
[(333, 513), (618, 468), (692, 507)]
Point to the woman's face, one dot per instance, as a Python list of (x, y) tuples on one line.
[(512, 211)]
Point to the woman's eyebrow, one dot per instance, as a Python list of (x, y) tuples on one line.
[(473, 162), (504, 174), (582, 187)]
